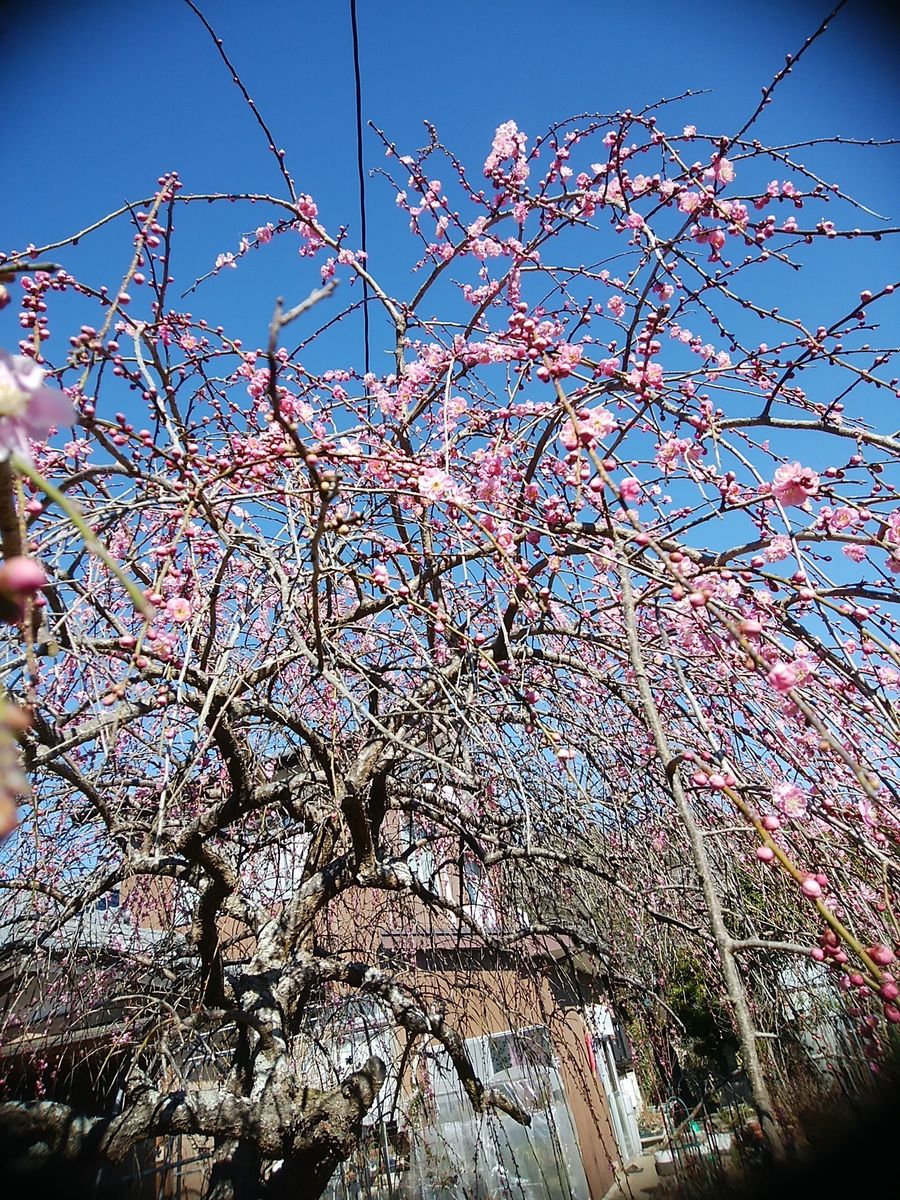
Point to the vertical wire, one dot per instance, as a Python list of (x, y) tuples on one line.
[(360, 167)]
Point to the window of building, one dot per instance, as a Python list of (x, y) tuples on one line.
[(111, 900), (421, 861), (621, 1048), (526, 1048), (476, 897)]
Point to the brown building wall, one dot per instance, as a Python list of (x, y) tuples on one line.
[(588, 1105), (492, 1001)]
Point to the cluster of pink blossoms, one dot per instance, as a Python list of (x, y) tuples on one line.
[(509, 142), (437, 484), (594, 425), (795, 485)]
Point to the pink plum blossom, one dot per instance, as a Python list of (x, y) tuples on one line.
[(671, 450), (433, 483), (28, 409), (688, 202), (795, 484), (782, 677), (436, 484), (178, 609), (790, 800), (779, 548), (593, 425), (721, 170), (630, 490), (509, 142)]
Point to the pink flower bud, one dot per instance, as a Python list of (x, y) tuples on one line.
[(21, 576), (883, 955)]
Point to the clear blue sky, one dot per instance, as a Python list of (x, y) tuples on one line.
[(99, 98)]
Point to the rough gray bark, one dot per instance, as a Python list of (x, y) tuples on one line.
[(307, 1132)]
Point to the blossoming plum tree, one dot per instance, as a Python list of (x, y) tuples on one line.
[(590, 584)]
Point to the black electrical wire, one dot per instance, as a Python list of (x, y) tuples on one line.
[(361, 173)]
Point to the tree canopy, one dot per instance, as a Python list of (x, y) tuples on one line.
[(575, 584)]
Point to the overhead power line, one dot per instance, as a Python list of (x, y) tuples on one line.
[(361, 172)]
